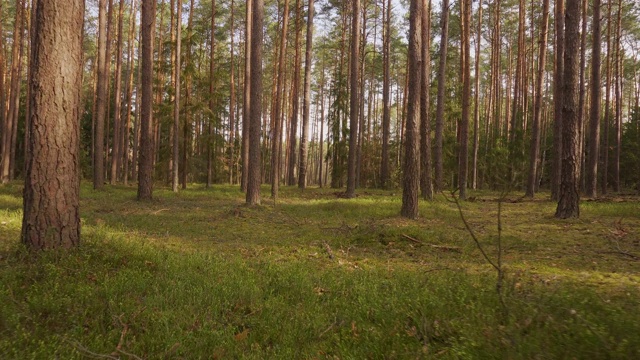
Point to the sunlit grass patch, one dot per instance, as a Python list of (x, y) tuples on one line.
[(199, 275)]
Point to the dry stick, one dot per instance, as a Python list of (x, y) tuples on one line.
[(498, 266), (441, 247), (88, 352)]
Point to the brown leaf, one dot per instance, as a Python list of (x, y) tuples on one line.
[(241, 336)]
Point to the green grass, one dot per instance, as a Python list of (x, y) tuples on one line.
[(197, 275)]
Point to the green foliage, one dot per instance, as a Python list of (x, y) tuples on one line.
[(198, 275)]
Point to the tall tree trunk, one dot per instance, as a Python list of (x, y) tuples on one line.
[(537, 111), (2, 88), (386, 85), (116, 156), (591, 172), (618, 95), (411, 169), (426, 186), (277, 126), (246, 107), (442, 70), (145, 168), (11, 124), (302, 174), (556, 169), (127, 128), (476, 103), (463, 159), (607, 107), (101, 98), (254, 176), (569, 194), (212, 91), (354, 104), (176, 103), (232, 100), (52, 183), (295, 102)]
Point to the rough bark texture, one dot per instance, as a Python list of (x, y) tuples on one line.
[(411, 174), (254, 176), (302, 175), (145, 171), (569, 196), (295, 103), (354, 104), (52, 185), (591, 171)]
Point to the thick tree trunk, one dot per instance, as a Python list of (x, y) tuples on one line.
[(534, 153), (254, 176), (232, 100), (569, 194), (442, 70), (52, 186), (411, 169), (302, 174), (145, 168)]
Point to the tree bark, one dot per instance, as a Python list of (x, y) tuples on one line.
[(246, 107), (537, 111), (176, 103), (277, 126), (569, 194), (463, 159), (354, 104), (442, 69), (302, 174), (254, 176), (101, 98), (426, 186), (212, 90), (386, 110), (52, 183), (476, 105), (411, 170), (591, 172), (145, 167), (556, 169), (116, 157), (11, 122)]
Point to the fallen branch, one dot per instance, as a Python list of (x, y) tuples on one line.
[(159, 211), (439, 247), (85, 351)]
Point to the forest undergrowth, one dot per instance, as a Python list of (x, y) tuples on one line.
[(198, 275)]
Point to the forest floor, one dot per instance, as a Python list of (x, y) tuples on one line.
[(198, 275)]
